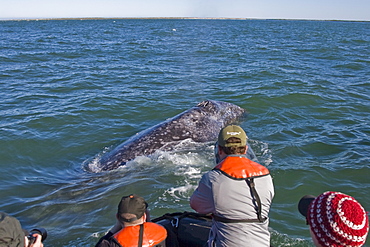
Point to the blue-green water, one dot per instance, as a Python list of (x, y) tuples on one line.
[(73, 89)]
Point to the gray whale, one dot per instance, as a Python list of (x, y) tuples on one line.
[(201, 123)]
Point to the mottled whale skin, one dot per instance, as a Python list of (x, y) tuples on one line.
[(201, 123)]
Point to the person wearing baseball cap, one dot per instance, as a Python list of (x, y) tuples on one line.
[(132, 228), (237, 192), (335, 219), (12, 234)]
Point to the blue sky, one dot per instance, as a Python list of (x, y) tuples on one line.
[(261, 9)]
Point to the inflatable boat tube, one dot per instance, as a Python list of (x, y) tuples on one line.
[(185, 229)]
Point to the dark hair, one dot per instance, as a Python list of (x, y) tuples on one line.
[(234, 149)]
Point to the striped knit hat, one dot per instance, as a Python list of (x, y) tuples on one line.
[(337, 219)]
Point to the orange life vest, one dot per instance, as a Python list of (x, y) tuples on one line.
[(240, 167), (153, 235)]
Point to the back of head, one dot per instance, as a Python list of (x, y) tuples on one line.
[(232, 139), (11, 233), (335, 219), (131, 208)]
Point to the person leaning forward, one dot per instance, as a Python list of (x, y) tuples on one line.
[(335, 219), (12, 234), (132, 228), (238, 193)]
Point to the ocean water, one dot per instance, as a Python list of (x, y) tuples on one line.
[(71, 90)]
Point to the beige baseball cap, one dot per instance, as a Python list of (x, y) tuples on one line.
[(232, 131)]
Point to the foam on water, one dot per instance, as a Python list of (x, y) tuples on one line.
[(70, 88)]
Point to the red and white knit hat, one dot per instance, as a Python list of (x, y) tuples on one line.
[(337, 219)]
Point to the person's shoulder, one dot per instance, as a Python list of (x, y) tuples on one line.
[(154, 225), (210, 175), (158, 229), (265, 180), (107, 241), (264, 177)]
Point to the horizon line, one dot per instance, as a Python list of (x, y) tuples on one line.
[(170, 18)]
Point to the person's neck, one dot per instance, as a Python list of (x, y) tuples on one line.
[(126, 224)]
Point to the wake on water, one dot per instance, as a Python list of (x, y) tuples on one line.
[(188, 154), (186, 164), (183, 147)]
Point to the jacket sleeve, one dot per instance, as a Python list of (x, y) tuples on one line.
[(202, 198), (106, 241)]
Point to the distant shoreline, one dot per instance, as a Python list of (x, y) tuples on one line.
[(129, 18), (163, 18)]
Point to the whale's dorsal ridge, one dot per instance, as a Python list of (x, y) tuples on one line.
[(204, 103), (201, 124)]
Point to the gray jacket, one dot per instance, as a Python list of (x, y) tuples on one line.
[(232, 199)]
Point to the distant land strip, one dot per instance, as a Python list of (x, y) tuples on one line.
[(163, 18), (136, 18)]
